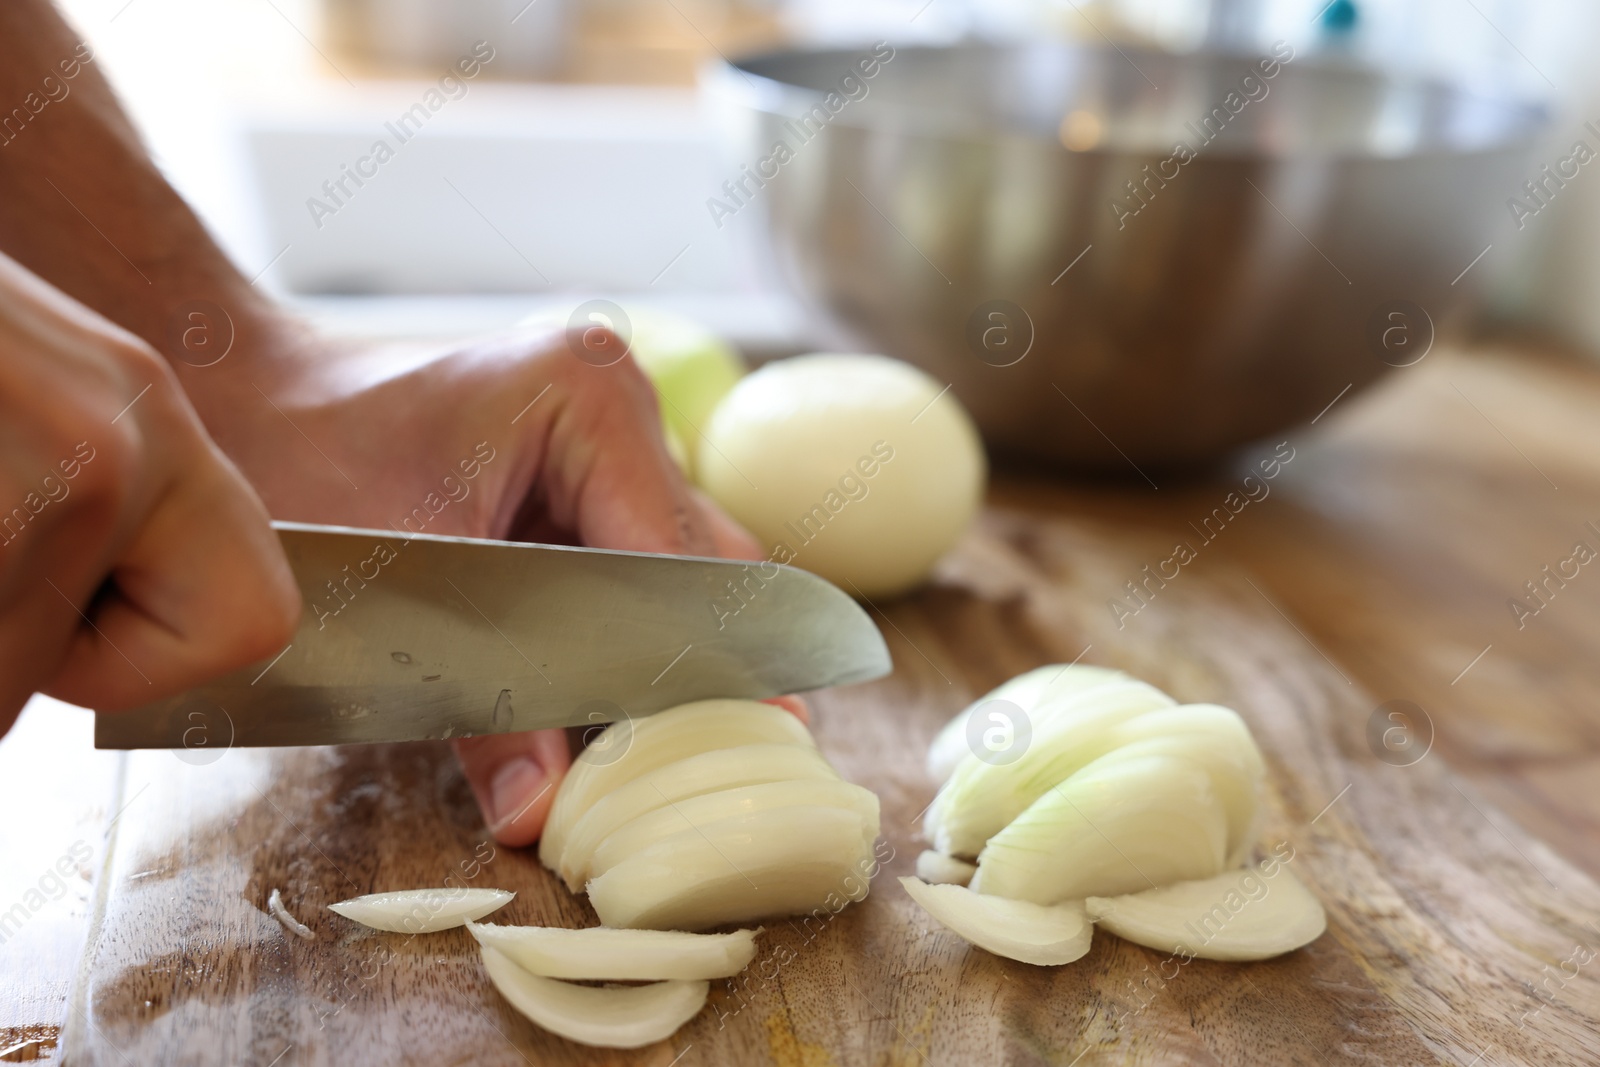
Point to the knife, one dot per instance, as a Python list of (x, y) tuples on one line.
[(408, 637)]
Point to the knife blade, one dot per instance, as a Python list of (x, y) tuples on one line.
[(412, 636)]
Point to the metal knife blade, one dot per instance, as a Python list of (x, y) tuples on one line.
[(409, 637)]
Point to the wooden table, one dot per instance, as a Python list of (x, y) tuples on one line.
[(1464, 912)]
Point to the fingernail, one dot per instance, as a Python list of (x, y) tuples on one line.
[(514, 789)]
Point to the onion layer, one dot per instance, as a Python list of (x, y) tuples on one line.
[(626, 750), (711, 808), (600, 953), (607, 1017), (1068, 733), (1031, 933), (422, 911), (1239, 915), (936, 868), (779, 862), (1126, 822), (1026, 691), (708, 772), (1217, 739)]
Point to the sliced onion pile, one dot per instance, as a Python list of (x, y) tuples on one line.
[(710, 814), (716, 812), (1122, 805)]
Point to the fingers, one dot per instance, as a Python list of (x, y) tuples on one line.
[(728, 539), (514, 777), (604, 474), (142, 563), (200, 588), (607, 474), (794, 705)]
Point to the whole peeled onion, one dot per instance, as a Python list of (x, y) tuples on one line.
[(859, 468)]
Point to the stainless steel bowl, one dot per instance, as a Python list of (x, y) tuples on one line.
[(1110, 305)]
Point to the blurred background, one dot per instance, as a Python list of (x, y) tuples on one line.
[(582, 160)]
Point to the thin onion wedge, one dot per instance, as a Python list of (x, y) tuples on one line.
[(603, 954), (1217, 738), (982, 797), (422, 911), (936, 868), (1239, 915), (705, 773), (1124, 823), (1031, 933), (629, 749), (770, 863), (605, 1017), (1025, 691), (641, 833)]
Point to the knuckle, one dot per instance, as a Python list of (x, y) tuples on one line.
[(266, 620)]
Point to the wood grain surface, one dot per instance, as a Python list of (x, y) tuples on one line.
[(1464, 916)]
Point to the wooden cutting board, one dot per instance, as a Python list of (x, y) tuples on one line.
[(1455, 935)]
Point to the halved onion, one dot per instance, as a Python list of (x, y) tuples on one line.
[(950, 747), (936, 868), (1239, 915), (606, 1017), (1068, 733), (603, 954), (422, 911), (710, 808), (655, 741), (770, 863), (1128, 821), (707, 772), (1047, 935)]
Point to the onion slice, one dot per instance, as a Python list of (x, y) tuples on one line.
[(641, 833), (705, 773), (422, 911), (1128, 821), (1031, 933), (936, 868), (605, 1017), (1240, 915), (1026, 690), (1068, 733), (769, 863), (601, 953), (1218, 739), (626, 750)]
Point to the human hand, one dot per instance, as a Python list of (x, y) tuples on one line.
[(558, 450), (134, 560)]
